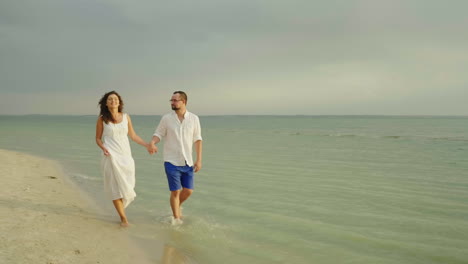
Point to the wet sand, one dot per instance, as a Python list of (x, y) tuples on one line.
[(46, 219)]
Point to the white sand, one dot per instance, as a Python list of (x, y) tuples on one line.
[(44, 219)]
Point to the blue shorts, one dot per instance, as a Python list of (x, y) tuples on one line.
[(179, 176)]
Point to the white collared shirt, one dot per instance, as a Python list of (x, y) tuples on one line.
[(179, 137)]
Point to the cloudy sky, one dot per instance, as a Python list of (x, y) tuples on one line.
[(390, 57)]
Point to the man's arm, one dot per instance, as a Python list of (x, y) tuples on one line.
[(198, 149), (197, 138), (158, 133), (155, 140), (152, 145)]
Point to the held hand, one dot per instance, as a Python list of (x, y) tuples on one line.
[(197, 166), (152, 149), (149, 149), (106, 152)]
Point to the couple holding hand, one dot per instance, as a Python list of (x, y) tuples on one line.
[(180, 130)]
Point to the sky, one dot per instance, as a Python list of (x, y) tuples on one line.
[(237, 57)]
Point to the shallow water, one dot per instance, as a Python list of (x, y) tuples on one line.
[(287, 189)]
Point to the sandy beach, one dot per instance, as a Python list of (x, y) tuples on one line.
[(45, 219)]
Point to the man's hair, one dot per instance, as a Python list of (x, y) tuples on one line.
[(182, 94)]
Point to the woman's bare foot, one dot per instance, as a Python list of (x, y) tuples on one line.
[(124, 222)]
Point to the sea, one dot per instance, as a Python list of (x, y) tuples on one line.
[(285, 189)]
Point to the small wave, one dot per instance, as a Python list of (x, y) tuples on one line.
[(233, 131), (165, 219), (393, 137), (80, 176), (449, 139), (342, 135)]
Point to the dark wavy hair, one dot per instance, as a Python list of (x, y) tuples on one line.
[(105, 113)]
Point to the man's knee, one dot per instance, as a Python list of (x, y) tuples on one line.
[(175, 193), (187, 192)]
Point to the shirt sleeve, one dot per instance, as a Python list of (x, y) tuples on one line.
[(197, 130), (161, 130)]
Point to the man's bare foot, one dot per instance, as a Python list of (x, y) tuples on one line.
[(176, 221)]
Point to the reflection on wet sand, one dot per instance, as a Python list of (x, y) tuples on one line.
[(171, 255)]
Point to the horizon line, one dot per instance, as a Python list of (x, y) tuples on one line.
[(285, 115)]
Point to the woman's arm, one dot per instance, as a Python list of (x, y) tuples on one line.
[(99, 130), (133, 135)]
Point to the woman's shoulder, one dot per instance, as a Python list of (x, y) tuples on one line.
[(126, 117), (100, 121)]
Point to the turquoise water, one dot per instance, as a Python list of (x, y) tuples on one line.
[(288, 189)]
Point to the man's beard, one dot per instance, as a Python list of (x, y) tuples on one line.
[(174, 107)]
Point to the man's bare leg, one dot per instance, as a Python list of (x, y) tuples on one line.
[(175, 203), (184, 195)]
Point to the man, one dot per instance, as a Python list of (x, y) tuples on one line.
[(180, 130)]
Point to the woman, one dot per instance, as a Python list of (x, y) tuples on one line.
[(117, 165)]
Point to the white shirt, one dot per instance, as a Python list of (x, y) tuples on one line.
[(179, 137)]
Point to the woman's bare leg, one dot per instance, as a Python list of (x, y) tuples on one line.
[(118, 204)]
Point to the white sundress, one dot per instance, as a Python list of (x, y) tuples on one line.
[(118, 169)]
